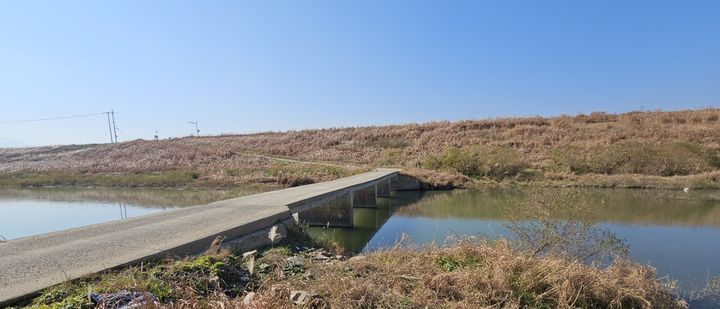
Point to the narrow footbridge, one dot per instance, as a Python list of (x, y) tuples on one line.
[(30, 264)]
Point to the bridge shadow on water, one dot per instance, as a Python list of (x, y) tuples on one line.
[(366, 221)]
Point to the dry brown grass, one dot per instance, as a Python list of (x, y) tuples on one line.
[(709, 180), (467, 275), (483, 275), (533, 139), (251, 173), (431, 179)]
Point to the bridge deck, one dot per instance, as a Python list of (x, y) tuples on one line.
[(30, 264)]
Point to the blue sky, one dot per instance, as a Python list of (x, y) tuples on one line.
[(237, 66)]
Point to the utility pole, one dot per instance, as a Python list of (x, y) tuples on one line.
[(109, 128), (114, 128), (197, 130)]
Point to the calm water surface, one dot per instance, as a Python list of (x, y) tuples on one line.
[(37, 211), (676, 232)]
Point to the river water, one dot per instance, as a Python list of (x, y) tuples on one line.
[(676, 232), (26, 212)]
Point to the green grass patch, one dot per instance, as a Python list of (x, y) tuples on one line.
[(73, 179), (494, 162), (669, 159), (452, 263)]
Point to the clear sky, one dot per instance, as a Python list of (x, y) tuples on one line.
[(237, 66)]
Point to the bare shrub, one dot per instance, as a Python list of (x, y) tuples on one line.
[(706, 297), (667, 159), (290, 180), (387, 142), (480, 161), (549, 223)]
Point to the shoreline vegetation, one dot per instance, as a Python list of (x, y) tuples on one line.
[(299, 273), (663, 150)]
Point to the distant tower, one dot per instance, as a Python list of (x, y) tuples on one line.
[(156, 136), (197, 129)]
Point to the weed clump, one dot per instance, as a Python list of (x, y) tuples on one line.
[(496, 163), (659, 159)]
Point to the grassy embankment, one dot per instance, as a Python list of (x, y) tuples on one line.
[(672, 165), (641, 149), (242, 173), (467, 275)]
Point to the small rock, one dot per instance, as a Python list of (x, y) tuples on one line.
[(299, 297), (320, 257), (296, 261), (276, 287), (408, 277), (279, 290), (124, 299), (247, 300), (249, 253), (357, 258), (340, 257)]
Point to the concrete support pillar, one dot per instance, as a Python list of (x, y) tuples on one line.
[(335, 213), (393, 183), (365, 197), (407, 183), (383, 188)]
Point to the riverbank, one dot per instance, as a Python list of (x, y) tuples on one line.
[(466, 275), (433, 179), (668, 150), (254, 182), (252, 179)]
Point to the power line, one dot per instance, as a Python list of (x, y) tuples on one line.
[(114, 132), (109, 127), (51, 118), (112, 129)]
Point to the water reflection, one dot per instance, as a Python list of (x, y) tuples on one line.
[(26, 212), (698, 208), (366, 222), (678, 233), (152, 198)]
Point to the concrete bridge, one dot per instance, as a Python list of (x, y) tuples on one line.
[(30, 264), (368, 221)]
